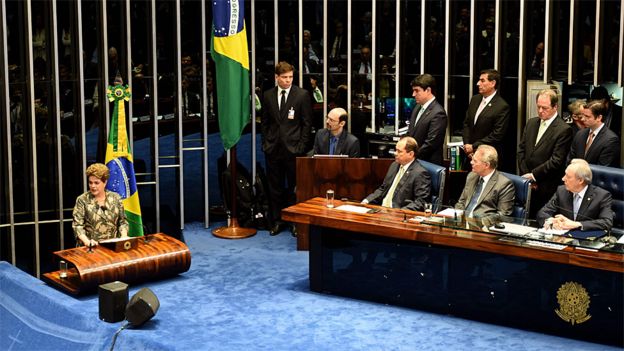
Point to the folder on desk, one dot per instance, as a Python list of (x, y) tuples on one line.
[(587, 234)]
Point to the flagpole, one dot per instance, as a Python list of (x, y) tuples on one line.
[(233, 230)]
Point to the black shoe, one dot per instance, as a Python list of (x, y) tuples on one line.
[(293, 230), (276, 229)]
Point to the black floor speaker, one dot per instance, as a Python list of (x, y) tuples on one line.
[(113, 298), (142, 306)]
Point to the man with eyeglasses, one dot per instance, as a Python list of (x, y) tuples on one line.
[(596, 144), (335, 139), (543, 149), (487, 193)]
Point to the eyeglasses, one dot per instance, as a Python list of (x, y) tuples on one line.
[(332, 120)]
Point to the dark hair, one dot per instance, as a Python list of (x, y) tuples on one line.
[(600, 93), (597, 107), (492, 74), (424, 81), (283, 67), (343, 117)]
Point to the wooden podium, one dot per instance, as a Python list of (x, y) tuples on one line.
[(150, 257), (350, 178)]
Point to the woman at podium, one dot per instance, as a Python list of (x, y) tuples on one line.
[(99, 214)]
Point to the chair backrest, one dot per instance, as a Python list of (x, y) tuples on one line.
[(523, 195), (611, 179), (438, 177)]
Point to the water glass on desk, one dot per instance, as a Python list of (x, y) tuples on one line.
[(329, 198), (428, 209), (62, 269)]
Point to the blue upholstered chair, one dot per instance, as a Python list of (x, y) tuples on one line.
[(611, 179), (523, 195), (438, 177)]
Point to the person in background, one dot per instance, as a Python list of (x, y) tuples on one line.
[(286, 125), (487, 193), (543, 149), (596, 144), (578, 204), (487, 115), (576, 114), (428, 120), (335, 139), (98, 214), (407, 184)]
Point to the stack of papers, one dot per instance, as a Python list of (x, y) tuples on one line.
[(514, 229), (352, 208)]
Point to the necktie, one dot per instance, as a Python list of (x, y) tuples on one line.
[(540, 132), (420, 113), (480, 109), (589, 141), (576, 204), (387, 201), (475, 197), (332, 145), (283, 101)]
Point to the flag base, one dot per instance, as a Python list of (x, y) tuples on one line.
[(233, 231)]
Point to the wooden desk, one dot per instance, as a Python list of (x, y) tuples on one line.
[(156, 256), (351, 178), (476, 275)]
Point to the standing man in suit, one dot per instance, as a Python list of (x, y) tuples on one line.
[(407, 184), (487, 193), (543, 149), (335, 139), (286, 126), (578, 204), (428, 121), (596, 144), (487, 115)]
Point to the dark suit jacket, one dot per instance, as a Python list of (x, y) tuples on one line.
[(429, 132), (491, 124), (595, 212), (412, 192), (348, 144), (604, 150), (547, 159), (292, 133), (497, 198)]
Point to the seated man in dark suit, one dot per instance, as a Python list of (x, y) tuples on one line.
[(488, 193), (335, 139), (596, 144), (578, 204), (407, 184)]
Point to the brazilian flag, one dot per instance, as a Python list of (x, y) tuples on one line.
[(228, 45), (119, 159)]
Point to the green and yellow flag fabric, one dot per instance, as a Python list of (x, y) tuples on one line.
[(119, 159), (228, 45)]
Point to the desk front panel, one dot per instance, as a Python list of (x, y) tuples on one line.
[(550, 297)]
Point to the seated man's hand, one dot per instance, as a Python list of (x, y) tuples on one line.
[(364, 201), (562, 222)]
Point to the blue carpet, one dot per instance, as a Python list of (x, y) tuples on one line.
[(249, 294)]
